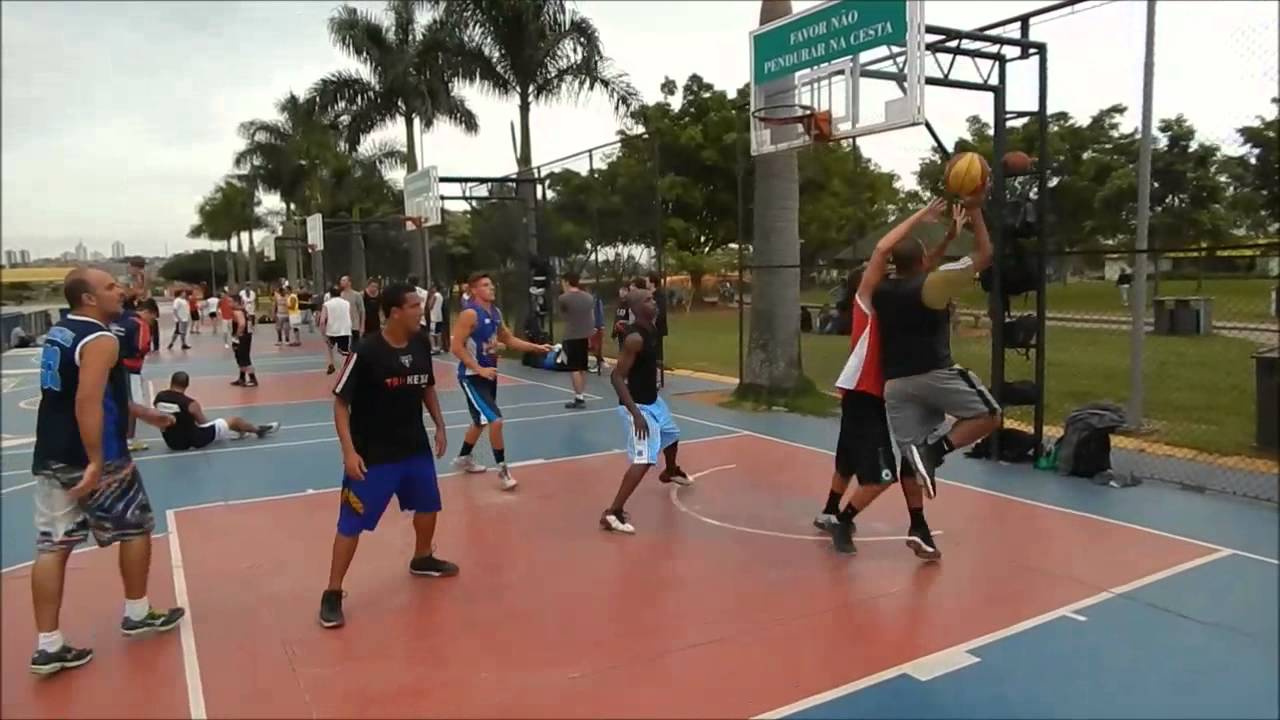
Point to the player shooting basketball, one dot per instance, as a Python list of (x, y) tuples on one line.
[(923, 383)]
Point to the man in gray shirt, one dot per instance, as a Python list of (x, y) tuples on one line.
[(578, 308), (352, 296)]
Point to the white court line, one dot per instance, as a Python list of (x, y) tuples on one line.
[(298, 426), (186, 630), (28, 563), (675, 499), (996, 493), (991, 637), (589, 396), (1075, 616), (312, 441)]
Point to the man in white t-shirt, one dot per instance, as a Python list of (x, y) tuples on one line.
[(181, 319), (250, 300), (335, 323), (436, 325)]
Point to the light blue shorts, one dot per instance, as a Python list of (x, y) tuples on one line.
[(663, 432)]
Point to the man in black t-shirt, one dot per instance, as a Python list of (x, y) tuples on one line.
[(191, 429), (645, 417), (378, 415)]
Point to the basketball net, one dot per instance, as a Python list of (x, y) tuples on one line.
[(816, 124)]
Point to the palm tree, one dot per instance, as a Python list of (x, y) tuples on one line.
[(535, 53), (773, 346), (407, 75), (215, 221), (289, 154)]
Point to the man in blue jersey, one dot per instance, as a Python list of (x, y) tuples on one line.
[(479, 330), (85, 480)]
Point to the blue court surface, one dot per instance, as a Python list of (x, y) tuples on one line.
[(1054, 598)]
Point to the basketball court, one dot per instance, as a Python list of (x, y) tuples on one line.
[(1054, 597)]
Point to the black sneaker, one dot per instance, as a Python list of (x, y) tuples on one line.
[(575, 404), (265, 430), (237, 383), (826, 522), (842, 537), (154, 621), (44, 662), (433, 566), (919, 457), (331, 609), (920, 540)]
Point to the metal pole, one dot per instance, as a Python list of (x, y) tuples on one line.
[(213, 274), (1042, 202), (658, 243), (742, 260), (994, 215), (1138, 292), (426, 255)]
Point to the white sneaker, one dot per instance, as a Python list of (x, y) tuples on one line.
[(617, 522), (508, 482), (137, 446), (466, 463)]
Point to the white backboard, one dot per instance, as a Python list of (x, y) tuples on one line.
[(422, 195), (315, 231)]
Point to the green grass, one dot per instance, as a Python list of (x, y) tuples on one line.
[(1244, 300), (1200, 391)]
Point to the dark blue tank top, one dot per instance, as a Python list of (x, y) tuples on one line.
[(57, 432), (482, 343)]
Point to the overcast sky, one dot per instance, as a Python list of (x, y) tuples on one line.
[(118, 117)]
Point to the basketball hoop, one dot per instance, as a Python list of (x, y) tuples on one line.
[(311, 248), (816, 123), (416, 220)]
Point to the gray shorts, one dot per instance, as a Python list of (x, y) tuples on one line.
[(919, 405), (116, 511)]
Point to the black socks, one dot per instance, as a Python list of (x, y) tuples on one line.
[(466, 449), (917, 518), (833, 503)]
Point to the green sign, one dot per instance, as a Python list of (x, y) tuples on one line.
[(831, 32)]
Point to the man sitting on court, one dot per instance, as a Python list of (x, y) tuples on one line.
[(192, 430)]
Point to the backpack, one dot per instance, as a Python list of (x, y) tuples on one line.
[(1018, 392), (1084, 450), (1019, 273), (1020, 334), (1092, 455), (1016, 446)]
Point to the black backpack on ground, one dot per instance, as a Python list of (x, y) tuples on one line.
[(1016, 446), (1084, 450)]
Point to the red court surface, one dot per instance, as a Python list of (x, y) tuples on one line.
[(129, 677), (552, 617), (290, 387)]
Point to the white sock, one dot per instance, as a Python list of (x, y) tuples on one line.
[(579, 396), (49, 641), (137, 609)]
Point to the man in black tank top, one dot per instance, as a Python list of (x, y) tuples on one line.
[(923, 384), (191, 430), (648, 424)]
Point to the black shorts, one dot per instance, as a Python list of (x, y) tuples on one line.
[(482, 399), (341, 342), (865, 446), (243, 348), (575, 354)]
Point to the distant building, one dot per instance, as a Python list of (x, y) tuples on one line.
[(24, 257), (10, 258), (117, 250), (81, 253), (97, 256)]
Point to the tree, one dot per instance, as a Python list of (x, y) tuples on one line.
[(408, 74), (772, 367), (289, 155), (1252, 176), (534, 53)]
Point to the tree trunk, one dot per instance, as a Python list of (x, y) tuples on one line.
[(253, 259), (773, 345), (528, 191), (238, 277), (231, 265), (412, 236), (357, 269)]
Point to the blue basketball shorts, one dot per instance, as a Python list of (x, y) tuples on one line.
[(663, 432), (412, 480)]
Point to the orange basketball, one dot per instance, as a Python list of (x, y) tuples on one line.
[(966, 174), (1017, 162)]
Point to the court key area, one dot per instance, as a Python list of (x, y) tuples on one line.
[(1054, 598)]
